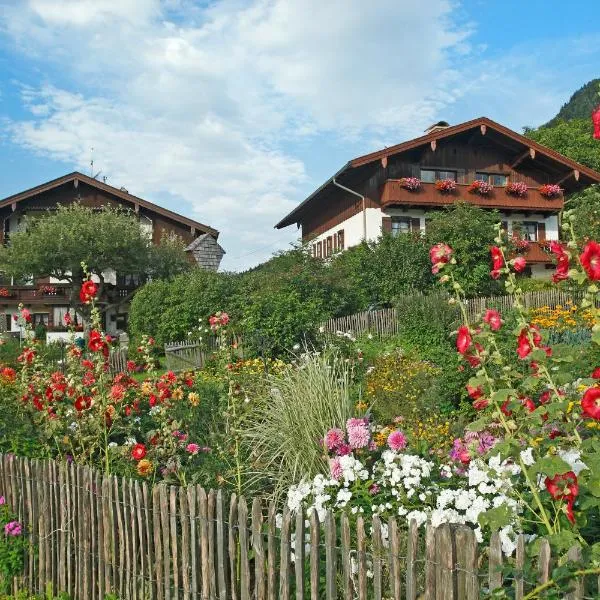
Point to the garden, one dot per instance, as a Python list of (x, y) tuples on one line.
[(489, 424)]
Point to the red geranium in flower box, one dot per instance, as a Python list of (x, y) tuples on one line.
[(446, 186), (516, 188), (482, 188), (4, 293), (48, 290), (550, 190), (412, 184)]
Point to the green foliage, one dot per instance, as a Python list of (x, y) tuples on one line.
[(586, 211), (469, 231), (284, 427), (571, 138), (382, 270), (13, 546)]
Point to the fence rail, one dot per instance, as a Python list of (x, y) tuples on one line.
[(384, 322), (96, 534)]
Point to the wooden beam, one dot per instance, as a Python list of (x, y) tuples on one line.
[(433, 145), (574, 173), (519, 159), (483, 129), (136, 207), (384, 161), (193, 230), (75, 183)]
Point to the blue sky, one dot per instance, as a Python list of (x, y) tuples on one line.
[(232, 111)]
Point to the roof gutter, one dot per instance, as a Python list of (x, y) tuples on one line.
[(364, 204)]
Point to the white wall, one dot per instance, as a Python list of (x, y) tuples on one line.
[(353, 228), (551, 222)]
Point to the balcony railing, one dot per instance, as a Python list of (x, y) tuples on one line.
[(393, 194), (29, 294)]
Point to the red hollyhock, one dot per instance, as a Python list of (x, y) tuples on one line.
[(596, 373), (439, 255), (474, 393), (519, 264), (497, 261), (82, 403), (529, 404), (523, 344), (590, 403), (590, 260), (493, 319), (95, 343), (504, 408), (562, 486), (88, 291), (463, 339), (480, 403), (138, 451), (562, 262)]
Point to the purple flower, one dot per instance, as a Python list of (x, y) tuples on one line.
[(356, 423), (2, 500), (374, 489), (396, 440), (359, 436), (334, 438), (13, 528)]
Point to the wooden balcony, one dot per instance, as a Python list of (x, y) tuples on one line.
[(31, 295), (393, 194), (536, 254)]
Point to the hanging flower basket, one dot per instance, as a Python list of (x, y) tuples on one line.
[(4, 293), (516, 188), (520, 244), (445, 186), (550, 190), (412, 184), (482, 188)]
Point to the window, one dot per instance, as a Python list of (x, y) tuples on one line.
[(432, 175), (496, 179), (400, 225), (340, 236), (39, 319), (319, 249), (529, 231), (329, 247)]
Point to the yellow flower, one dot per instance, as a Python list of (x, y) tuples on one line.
[(144, 467), (177, 393), (146, 388), (194, 398)]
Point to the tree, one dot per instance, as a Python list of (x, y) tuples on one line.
[(586, 206), (107, 241), (572, 138), (469, 231)]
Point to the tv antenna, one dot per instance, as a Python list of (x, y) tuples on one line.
[(92, 174)]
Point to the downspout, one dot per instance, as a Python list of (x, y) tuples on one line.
[(364, 204)]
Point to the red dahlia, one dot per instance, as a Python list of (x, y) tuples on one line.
[(138, 451)]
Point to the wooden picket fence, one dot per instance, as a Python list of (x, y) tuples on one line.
[(94, 534), (189, 356), (384, 322)]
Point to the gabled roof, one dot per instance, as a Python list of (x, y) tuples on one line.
[(119, 193), (438, 134)]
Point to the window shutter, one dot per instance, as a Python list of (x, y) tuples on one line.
[(415, 171), (335, 242), (340, 237), (541, 232), (461, 176), (415, 225), (386, 225)]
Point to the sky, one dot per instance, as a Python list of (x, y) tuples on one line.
[(231, 112)]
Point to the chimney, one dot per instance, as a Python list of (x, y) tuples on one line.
[(437, 126)]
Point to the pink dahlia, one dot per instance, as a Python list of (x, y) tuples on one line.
[(334, 438), (359, 436), (13, 528), (396, 440), (192, 448), (335, 468)]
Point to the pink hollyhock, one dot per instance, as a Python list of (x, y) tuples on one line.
[(590, 260), (493, 319), (359, 436), (396, 440), (335, 468), (333, 438), (519, 264), (590, 403), (26, 315), (463, 339)]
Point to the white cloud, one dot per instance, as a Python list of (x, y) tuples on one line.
[(205, 104)]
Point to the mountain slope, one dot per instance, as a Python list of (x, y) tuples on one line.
[(580, 105)]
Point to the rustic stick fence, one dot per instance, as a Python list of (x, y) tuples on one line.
[(189, 355), (94, 534), (384, 322)]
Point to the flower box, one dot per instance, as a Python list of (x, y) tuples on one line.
[(412, 184), (5, 293), (550, 190), (482, 188), (520, 244), (445, 186), (48, 290), (516, 188)]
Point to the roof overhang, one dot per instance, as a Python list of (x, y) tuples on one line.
[(121, 194), (483, 123)]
